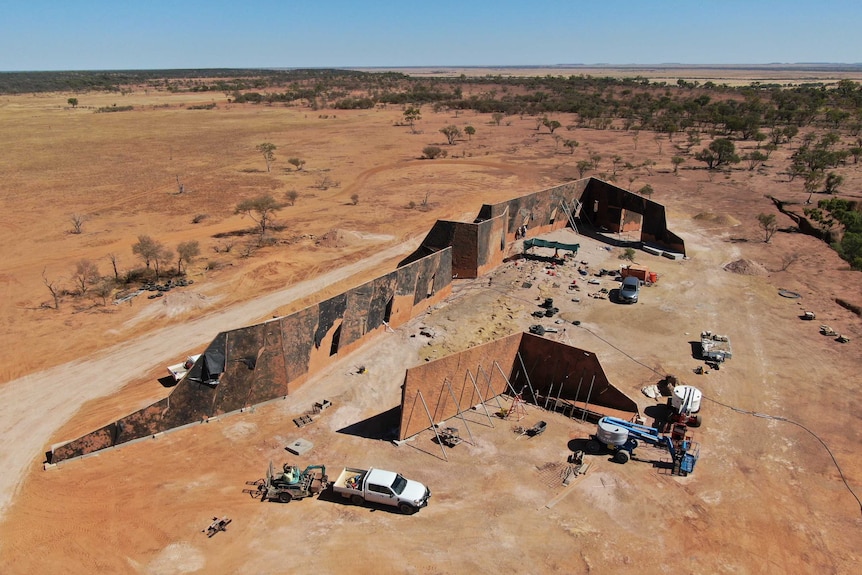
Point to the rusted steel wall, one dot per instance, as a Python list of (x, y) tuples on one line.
[(430, 378), (526, 359), (273, 359), (548, 364), (604, 204)]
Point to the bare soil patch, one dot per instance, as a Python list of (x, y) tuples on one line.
[(764, 498)]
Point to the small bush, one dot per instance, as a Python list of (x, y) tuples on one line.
[(199, 218), (114, 108), (432, 152)]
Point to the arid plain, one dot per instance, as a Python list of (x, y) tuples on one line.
[(766, 496)]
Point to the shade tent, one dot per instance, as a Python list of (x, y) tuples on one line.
[(539, 243)]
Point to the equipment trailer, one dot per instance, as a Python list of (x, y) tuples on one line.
[(621, 438), (293, 483)]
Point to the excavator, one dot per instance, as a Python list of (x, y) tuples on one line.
[(621, 437), (292, 483)]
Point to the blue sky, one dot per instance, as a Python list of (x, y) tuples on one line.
[(145, 34)]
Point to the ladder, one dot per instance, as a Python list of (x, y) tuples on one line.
[(517, 409), (571, 213)]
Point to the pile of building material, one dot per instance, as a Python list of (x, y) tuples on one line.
[(714, 347)]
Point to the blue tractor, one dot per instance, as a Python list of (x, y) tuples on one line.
[(622, 437)]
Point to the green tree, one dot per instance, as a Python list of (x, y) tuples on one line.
[(583, 167), (719, 153), (260, 209), (186, 253), (73, 102), (470, 130), (571, 145), (646, 191), (268, 151), (833, 180), (452, 133), (676, 161), (497, 117), (768, 225), (411, 116), (755, 159), (296, 163), (551, 125)]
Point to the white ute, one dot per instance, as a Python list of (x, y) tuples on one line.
[(382, 487)]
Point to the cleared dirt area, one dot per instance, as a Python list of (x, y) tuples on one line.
[(764, 498)]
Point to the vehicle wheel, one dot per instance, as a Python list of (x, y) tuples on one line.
[(621, 457), (696, 421), (593, 446), (634, 444), (407, 509), (285, 497), (357, 499)]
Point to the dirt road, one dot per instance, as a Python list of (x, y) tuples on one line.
[(33, 407)]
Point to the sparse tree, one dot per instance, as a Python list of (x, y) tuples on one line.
[(411, 116), (86, 274), (719, 153), (147, 249), (114, 259), (291, 196), (616, 161), (755, 159), (571, 145), (324, 182), (162, 260), (768, 225), (298, 163), (451, 132), (469, 130), (77, 222), (53, 287), (268, 151), (260, 209), (103, 290), (186, 253), (73, 102), (648, 164), (676, 161), (832, 182), (812, 183), (497, 117), (628, 254), (646, 190), (583, 167), (659, 141), (551, 125), (354, 199), (595, 158)]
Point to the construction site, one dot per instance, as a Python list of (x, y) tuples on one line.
[(494, 365), (571, 378)]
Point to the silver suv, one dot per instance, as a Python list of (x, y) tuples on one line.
[(629, 290)]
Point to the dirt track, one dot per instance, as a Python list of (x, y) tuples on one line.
[(61, 391)]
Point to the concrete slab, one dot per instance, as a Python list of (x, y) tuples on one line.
[(299, 446)]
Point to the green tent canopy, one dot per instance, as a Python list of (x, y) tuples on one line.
[(537, 243)]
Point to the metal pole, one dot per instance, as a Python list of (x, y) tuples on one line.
[(488, 387), (589, 393), (578, 393), (550, 393), (535, 400), (482, 399), (433, 426), (460, 414)]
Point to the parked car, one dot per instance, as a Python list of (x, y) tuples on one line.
[(629, 289)]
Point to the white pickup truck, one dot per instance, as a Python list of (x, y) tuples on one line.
[(383, 487)]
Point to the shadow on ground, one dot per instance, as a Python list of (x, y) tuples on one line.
[(381, 426)]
